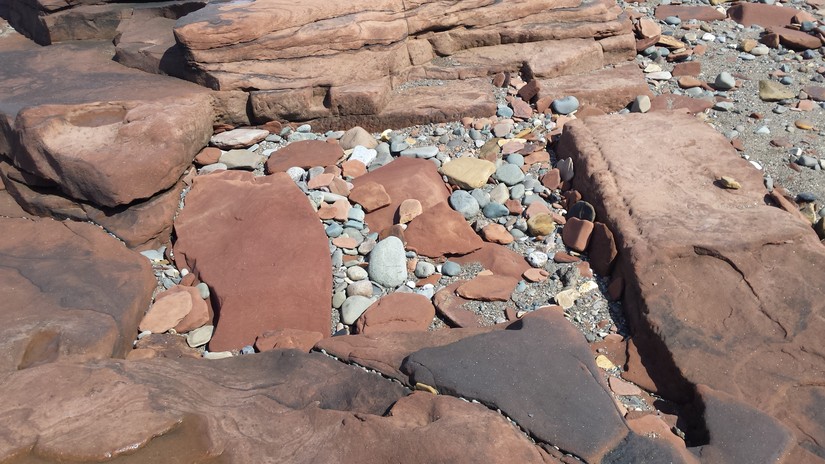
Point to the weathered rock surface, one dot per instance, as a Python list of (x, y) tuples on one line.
[(258, 244), (396, 312), (441, 231), (761, 280), (69, 291), (304, 154), (324, 410)]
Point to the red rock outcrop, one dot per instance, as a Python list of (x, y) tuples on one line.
[(258, 244), (711, 299), (69, 291)]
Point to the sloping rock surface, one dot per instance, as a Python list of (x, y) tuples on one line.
[(758, 341), (260, 247), (279, 406), (69, 291)]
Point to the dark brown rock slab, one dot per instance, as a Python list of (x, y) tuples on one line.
[(559, 397), (260, 247), (694, 241), (403, 179), (277, 406), (386, 352), (69, 291)]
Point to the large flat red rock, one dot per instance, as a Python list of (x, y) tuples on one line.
[(278, 406), (712, 298), (609, 89), (441, 231), (260, 247), (403, 179), (69, 291)]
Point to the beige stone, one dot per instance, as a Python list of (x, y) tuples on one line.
[(468, 173)]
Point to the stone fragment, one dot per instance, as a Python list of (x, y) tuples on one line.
[(496, 233), (488, 288), (541, 224), (440, 231), (238, 138), (387, 263), (396, 312), (287, 339), (357, 136), (370, 195), (304, 154), (498, 259), (452, 308), (773, 91), (576, 233), (468, 173)]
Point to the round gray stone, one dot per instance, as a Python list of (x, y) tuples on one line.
[(450, 269), (353, 308), (565, 105), (495, 211), (388, 263), (481, 197), (724, 81), (463, 202), (509, 174), (424, 269)]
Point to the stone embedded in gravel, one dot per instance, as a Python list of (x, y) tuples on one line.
[(804, 124), (815, 92), (450, 268), (537, 259), (541, 224), (353, 307), (499, 194), (790, 38), (551, 179), (304, 154), (488, 288), (424, 269), (565, 105), (576, 233), (689, 12), (641, 104), (421, 152), (238, 138), (452, 307), (198, 314), (496, 258), (623, 388), (724, 81), (495, 211), (357, 136), (363, 154), (388, 263), (565, 167), (773, 91), (464, 203), (287, 339), (440, 232), (361, 288), (396, 312), (166, 313), (748, 14), (496, 233), (509, 174), (409, 210), (535, 275), (356, 273), (468, 173), (582, 210), (241, 159), (199, 336), (370, 195)]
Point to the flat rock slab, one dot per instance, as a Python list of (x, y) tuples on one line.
[(69, 291), (260, 247), (540, 372), (304, 154), (711, 299), (441, 231), (403, 179), (608, 89), (279, 406), (139, 131)]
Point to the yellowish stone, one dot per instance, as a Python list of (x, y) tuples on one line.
[(567, 298), (468, 173), (541, 224), (804, 124), (604, 363), (730, 182)]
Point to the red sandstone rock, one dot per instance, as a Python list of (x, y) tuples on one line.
[(686, 13), (576, 233), (602, 249), (283, 281), (370, 195), (496, 258), (353, 168), (748, 14), (304, 154), (451, 307), (69, 291), (409, 210), (488, 288), (703, 252), (552, 179), (287, 339), (208, 155), (496, 233), (404, 178), (441, 231), (790, 38), (396, 312)]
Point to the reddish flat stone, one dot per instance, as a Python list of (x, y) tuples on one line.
[(576, 233), (701, 249), (441, 231), (602, 250), (353, 168), (451, 307), (690, 68), (409, 210), (162, 346), (370, 195), (748, 14), (321, 180), (535, 209), (396, 312), (178, 300), (69, 291), (284, 253), (562, 257), (552, 179), (535, 275), (672, 102), (304, 154), (488, 288), (686, 13), (208, 155), (282, 339), (620, 387), (790, 38), (498, 259), (610, 89), (496, 233), (403, 179)]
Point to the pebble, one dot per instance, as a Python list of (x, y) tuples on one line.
[(424, 269), (565, 105), (537, 259), (659, 76), (296, 173), (363, 154), (565, 167), (724, 81), (212, 168), (495, 210), (509, 174), (353, 308), (360, 288), (482, 197), (450, 268), (203, 290), (356, 273), (199, 336), (421, 152), (641, 104), (673, 20), (388, 263), (463, 202)]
